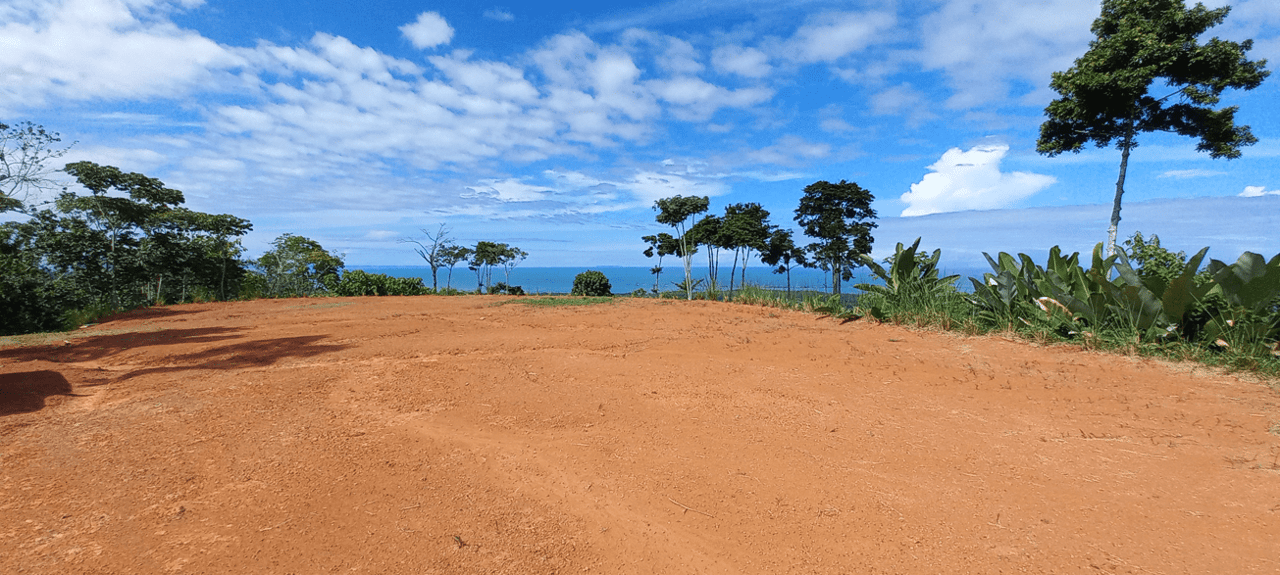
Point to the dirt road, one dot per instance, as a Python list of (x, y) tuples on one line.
[(462, 435)]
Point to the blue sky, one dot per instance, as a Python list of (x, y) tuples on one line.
[(554, 126)]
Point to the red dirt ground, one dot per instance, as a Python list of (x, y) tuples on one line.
[(460, 435)]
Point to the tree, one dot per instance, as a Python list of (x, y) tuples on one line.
[(483, 258), (298, 266), (839, 216), (432, 251), (510, 257), (449, 256), (1106, 94), (121, 219), (709, 232), (746, 229), (24, 150), (781, 251), (662, 244), (676, 212)]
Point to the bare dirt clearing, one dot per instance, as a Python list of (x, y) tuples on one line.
[(457, 435)]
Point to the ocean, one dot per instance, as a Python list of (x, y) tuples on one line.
[(559, 280)]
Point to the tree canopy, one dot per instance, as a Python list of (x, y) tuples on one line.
[(840, 217), (25, 151), (1148, 71), (676, 212)]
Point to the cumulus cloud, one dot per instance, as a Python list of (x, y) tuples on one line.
[(971, 180), (1258, 191), (428, 31), (101, 49)]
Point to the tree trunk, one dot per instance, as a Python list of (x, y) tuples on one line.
[(1112, 231), (835, 278)]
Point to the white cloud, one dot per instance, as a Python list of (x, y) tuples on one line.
[(832, 35), (697, 99), (985, 47), (747, 62), (91, 49), (499, 15), (428, 31), (971, 180), (1258, 191), (1188, 174)]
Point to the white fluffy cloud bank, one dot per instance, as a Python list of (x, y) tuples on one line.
[(971, 180)]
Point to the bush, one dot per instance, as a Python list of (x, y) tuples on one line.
[(502, 288), (362, 283), (591, 283)]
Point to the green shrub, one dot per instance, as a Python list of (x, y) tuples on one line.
[(502, 288), (362, 283), (591, 283)]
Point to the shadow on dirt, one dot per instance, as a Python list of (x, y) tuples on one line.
[(242, 355), (92, 347), (26, 392), (149, 313)]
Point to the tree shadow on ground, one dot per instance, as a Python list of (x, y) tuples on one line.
[(25, 392), (95, 347), (243, 355)]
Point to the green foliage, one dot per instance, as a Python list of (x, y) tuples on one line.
[(488, 255), (1140, 44), (840, 217), (362, 283), (782, 251), (591, 283), (503, 288), (298, 267), (911, 283), (128, 243), (677, 212), (1250, 290)]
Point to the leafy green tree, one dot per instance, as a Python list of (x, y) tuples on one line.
[(746, 229), (662, 244), (127, 243), (709, 232), (25, 151), (484, 258), (782, 251), (1107, 94), (432, 251), (298, 267), (840, 217), (677, 211), (510, 257), (591, 284), (450, 255)]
